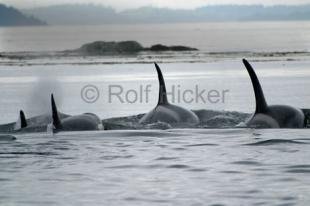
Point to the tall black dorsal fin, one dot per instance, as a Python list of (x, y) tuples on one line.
[(261, 105), (162, 98), (23, 121), (56, 119)]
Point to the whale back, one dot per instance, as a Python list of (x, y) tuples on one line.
[(261, 105), (273, 116), (56, 120), (162, 98), (82, 122), (166, 112), (23, 121)]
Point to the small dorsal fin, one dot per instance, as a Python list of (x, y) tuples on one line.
[(261, 105), (162, 99), (56, 119), (23, 121)]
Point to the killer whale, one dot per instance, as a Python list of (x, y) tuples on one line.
[(166, 112), (33, 124), (82, 122), (273, 116)]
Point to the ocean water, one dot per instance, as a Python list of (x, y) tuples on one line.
[(133, 166), (174, 167), (211, 37)]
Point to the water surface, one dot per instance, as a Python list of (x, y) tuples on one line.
[(184, 167)]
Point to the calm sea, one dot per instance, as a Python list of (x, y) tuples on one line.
[(211, 37)]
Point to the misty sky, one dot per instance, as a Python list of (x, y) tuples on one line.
[(126, 4)]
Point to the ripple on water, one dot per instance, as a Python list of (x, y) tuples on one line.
[(113, 157), (197, 170), (162, 145), (231, 172), (19, 145), (260, 203), (179, 148), (54, 142), (288, 198), (287, 179), (254, 191), (9, 156), (61, 148), (29, 153), (201, 145), (178, 166), (166, 158), (247, 162), (155, 166), (66, 158), (120, 144), (298, 169), (151, 166), (299, 166), (136, 199), (275, 142), (4, 179)]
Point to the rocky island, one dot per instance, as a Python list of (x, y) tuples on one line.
[(125, 47)]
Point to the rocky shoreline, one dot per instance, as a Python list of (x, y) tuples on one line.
[(125, 47)]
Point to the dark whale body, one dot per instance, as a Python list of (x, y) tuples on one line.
[(273, 116), (166, 112), (82, 122)]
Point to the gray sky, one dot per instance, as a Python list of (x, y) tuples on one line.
[(125, 4)]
